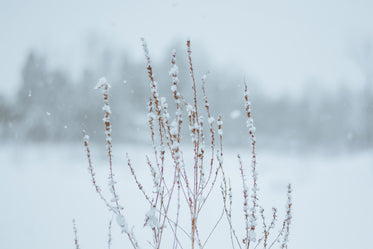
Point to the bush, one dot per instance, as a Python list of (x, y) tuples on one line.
[(187, 189)]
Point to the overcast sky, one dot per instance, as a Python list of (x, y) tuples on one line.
[(282, 44)]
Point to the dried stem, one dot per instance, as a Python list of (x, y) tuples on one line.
[(75, 235), (195, 183)]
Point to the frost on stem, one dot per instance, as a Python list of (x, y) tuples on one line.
[(220, 130), (195, 185), (109, 241), (93, 174), (104, 86), (151, 219), (75, 235), (251, 205), (287, 219), (115, 208), (177, 97), (122, 223), (254, 196)]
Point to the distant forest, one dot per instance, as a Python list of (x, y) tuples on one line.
[(51, 106)]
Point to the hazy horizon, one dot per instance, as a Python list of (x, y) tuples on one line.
[(282, 46)]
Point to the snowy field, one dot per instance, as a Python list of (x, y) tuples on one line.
[(43, 187)]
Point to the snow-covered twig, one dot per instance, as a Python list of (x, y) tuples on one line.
[(195, 185)]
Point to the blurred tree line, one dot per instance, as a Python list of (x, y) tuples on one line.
[(51, 106)]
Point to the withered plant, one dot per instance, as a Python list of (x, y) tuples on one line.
[(188, 188)]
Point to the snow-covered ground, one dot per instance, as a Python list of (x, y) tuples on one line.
[(43, 187)]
